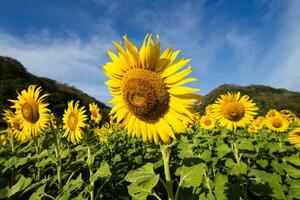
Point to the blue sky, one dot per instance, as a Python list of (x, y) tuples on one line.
[(229, 41)]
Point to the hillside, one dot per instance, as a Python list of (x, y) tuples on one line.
[(266, 97), (14, 77)]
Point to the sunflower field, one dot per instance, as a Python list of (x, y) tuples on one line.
[(155, 145)]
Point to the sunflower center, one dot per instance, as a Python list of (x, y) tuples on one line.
[(277, 123), (234, 111), (30, 112), (207, 122), (145, 94), (73, 121), (94, 114)]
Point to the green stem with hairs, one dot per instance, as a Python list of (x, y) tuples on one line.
[(166, 158), (90, 166), (58, 158), (37, 150)]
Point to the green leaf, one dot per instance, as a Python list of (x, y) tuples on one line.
[(295, 189), (38, 194), (294, 160), (220, 186), (185, 150), (19, 186), (191, 176), (223, 150), (102, 172), (267, 184), (262, 163), (290, 170), (142, 180)]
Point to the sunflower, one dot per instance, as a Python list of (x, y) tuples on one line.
[(3, 140), (277, 123), (149, 98), (232, 111), (74, 120), (294, 137), (272, 113), (252, 129), (15, 126), (208, 109), (288, 115), (95, 112), (258, 123), (207, 122), (31, 111)]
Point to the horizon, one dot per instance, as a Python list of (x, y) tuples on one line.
[(257, 41)]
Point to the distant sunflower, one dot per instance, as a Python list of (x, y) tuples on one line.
[(252, 129), (31, 111), (233, 111), (15, 126), (208, 109), (288, 115), (149, 98), (207, 122), (277, 123), (3, 140), (74, 120), (294, 137), (258, 123), (95, 112), (272, 113)]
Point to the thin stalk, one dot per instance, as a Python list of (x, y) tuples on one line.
[(166, 157), (58, 158), (37, 150), (90, 166), (11, 141)]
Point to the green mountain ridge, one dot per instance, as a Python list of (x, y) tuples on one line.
[(14, 77), (266, 97)]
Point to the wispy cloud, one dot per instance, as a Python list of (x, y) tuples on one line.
[(285, 56), (69, 60)]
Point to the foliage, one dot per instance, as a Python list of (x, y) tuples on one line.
[(204, 165)]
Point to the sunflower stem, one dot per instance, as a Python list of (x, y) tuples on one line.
[(37, 150), (58, 158), (90, 166), (12, 178), (166, 158)]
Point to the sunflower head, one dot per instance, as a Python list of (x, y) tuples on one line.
[(15, 126), (272, 113), (207, 122), (232, 110), (95, 113), (31, 111), (149, 98), (277, 123), (3, 140), (252, 129), (258, 123), (288, 115), (74, 120), (294, 137)]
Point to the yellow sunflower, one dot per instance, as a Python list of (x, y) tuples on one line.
[(252, 129), (208, 109), (277, 123), (149, 98), (95, 112), (288, 115), (74, 120), (272, 113), (31, 111), (207, 122), (258, 123), (3, 140), (15, 126), (233, 111), (294, 137)]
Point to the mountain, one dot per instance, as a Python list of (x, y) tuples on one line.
[(14, 77), (266, 97)]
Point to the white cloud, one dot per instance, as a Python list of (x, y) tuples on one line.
[(70, 60), (285, 55)]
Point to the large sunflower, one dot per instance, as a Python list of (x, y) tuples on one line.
[(74, 120), (277, 123), (15, 126), (31, 111), (149, 98), (294, 137), (232, 110), (207, 122), (95, 112)]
